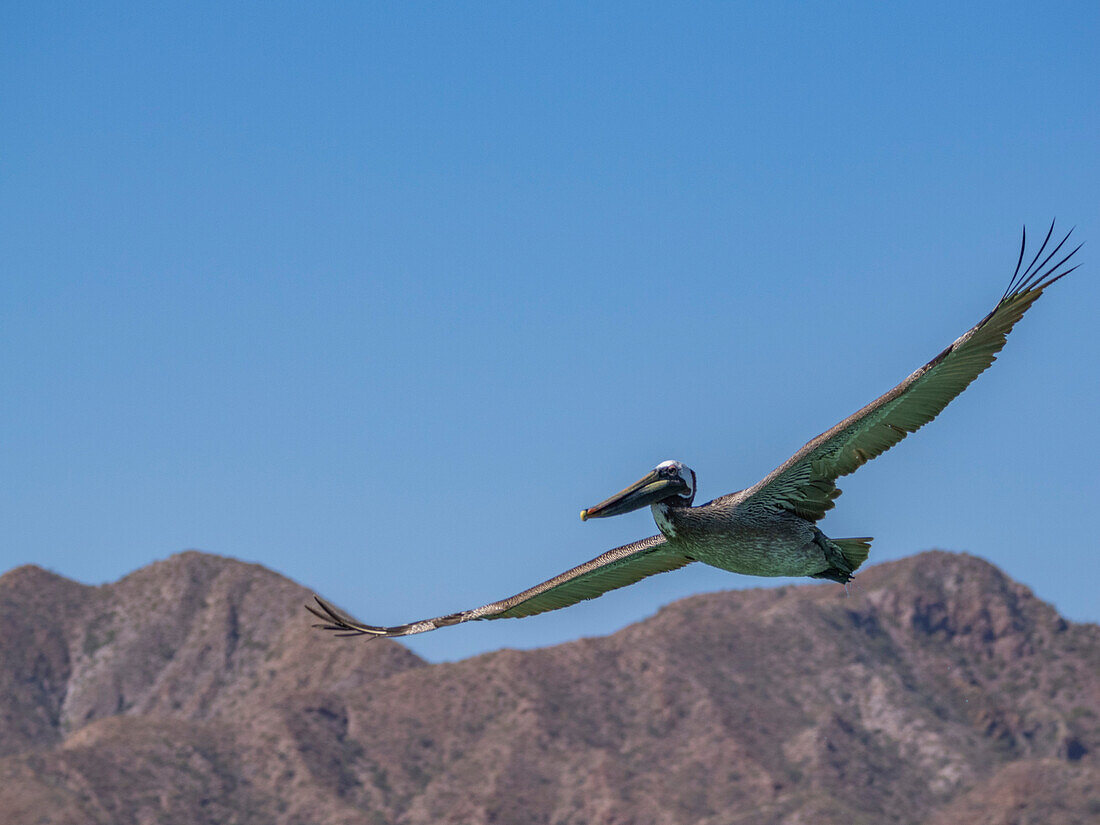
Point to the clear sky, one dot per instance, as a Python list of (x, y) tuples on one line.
[(381, 295)]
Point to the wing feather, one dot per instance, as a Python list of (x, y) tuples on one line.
[(805, 483), (614, 569)]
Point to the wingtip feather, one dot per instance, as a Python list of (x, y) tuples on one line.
[(335, 620), (1038, 275)]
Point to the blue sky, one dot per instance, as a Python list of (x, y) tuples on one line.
[(381, 296)]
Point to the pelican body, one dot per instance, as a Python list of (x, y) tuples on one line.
[(770, 528), (730, 537)]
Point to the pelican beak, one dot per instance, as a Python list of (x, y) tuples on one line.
[(648, 490)]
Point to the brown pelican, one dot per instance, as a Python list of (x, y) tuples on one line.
[(768, 529)]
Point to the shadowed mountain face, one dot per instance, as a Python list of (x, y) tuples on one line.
[(194, 691)]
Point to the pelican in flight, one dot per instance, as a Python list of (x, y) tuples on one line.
[(768, 529)]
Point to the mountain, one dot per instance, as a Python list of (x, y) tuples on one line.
[(194, 691)]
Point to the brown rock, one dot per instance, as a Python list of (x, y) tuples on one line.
[(194, 691)]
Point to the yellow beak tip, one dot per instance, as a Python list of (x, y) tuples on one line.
[(584, 515)]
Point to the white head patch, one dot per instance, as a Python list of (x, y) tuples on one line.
[(683, 471)]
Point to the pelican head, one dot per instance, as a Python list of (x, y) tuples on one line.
[(671, 482)]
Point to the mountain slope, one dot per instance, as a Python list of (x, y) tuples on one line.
[(193, 691)]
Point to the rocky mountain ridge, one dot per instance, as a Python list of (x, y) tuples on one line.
[(194, 691)]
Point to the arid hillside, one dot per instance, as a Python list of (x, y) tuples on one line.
[(194, 691)]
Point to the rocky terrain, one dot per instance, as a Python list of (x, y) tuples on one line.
[(193, 691)]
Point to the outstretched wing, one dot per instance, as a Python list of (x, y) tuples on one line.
[(615, 568), (805, 483)]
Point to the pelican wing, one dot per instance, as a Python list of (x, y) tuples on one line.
[(615, 568), (805, 483)]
